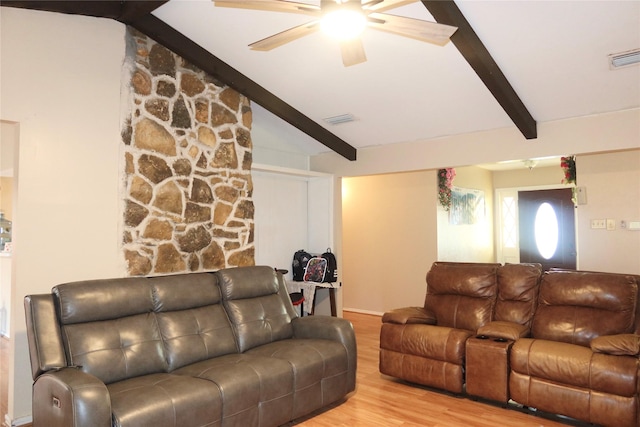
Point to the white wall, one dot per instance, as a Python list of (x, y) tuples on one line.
[(280, 217), (60, 81), (293, 210)]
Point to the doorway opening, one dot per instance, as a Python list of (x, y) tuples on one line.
[(536, 225)]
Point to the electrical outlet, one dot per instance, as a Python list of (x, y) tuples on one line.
[(598, 223), (611, 224)]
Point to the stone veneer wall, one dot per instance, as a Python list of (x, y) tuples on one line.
[(187, 188)]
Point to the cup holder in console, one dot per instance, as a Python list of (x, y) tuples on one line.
[(500, 339), (482, 337)]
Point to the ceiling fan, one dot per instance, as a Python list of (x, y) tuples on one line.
[(346, 16)]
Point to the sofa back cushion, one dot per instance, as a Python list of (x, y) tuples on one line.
[(191, 319), (257, 312), (518, 287), (462, 295), (109, 328), (576, 307)]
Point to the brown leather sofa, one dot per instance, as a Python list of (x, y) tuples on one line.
[(201, 349), (563, 342)]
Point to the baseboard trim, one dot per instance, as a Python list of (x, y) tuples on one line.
[(22, 421), (357, 310)]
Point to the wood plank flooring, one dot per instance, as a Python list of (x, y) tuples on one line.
[(381, 401), (4, 377)]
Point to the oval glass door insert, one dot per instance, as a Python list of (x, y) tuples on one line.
[(546, 230)]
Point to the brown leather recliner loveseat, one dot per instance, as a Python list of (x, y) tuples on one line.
[(200, 349), (564, 342)]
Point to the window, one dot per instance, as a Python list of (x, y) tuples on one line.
[(546, 230)]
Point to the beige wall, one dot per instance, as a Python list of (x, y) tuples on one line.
[(6, 195), (66, 102), (390, 223), (388, 237), (468, 242), (64, 136), (598, 133), (612, 183), (522, 177)]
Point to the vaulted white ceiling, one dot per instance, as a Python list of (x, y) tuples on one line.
[(553, 53)]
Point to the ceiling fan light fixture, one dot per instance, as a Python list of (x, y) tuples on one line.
[(344, 23)]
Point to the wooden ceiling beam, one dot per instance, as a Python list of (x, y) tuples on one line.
[(194, 53), (138, 15), (477, 55)]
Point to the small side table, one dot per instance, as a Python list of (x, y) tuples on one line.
[(332, 301), (487, 363)]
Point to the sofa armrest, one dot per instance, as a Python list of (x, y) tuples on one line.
[(410, 315), (70, 398), (618, 345), (506, 330), (334, 329)]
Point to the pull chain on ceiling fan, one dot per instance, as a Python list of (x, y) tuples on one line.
[(350, 16)]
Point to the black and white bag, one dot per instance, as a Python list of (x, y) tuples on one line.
[(331, 273), (299, 264), (314, 268)]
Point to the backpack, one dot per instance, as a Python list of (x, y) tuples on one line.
[(331, 273), (300, 260), (315, 270)]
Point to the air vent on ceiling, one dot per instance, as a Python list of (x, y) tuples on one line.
[(337, 120), (624, 59)]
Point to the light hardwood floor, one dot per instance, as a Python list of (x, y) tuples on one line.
[(4, 376), (381, 401)]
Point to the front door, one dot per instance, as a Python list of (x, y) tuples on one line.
[(547, 228)]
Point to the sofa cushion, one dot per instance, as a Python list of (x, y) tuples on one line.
[(619, 345), (191, 318), (104, 299), (320, 369), (428, 341), (109, 327), (518, 286), (461, 295), (184, 291), (256, 391), (165, 400), (575, 365), (408, 315), (576, 307), (506, 330), (257, 312), (197, 334), (113, 350)]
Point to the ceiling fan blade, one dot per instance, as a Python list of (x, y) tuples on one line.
[(286, 36), (352, 52), (382, 5), (430, 32), (270, 6)]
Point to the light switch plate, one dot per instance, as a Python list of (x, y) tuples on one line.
[(611, 224)]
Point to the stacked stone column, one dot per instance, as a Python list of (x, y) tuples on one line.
[(187, 179)]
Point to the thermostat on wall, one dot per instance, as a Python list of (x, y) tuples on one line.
[(581, 195)]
